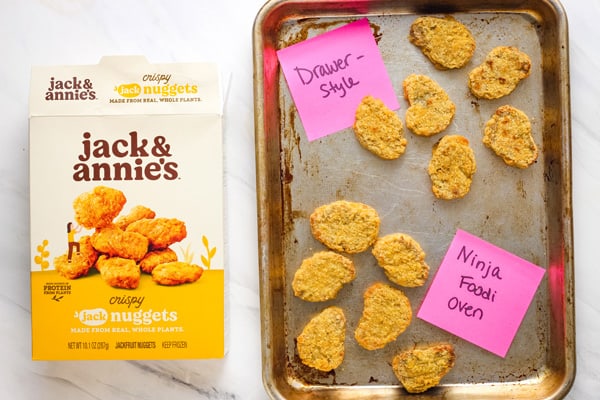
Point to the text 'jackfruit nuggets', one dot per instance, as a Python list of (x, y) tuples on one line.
[(98, 208), (161, 232)]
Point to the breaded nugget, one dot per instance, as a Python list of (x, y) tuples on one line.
[(423, 367), (386, 314), (119, 272), (451, 167), (98, 208), (446, 42), (161, 232), (118, 243), (500, 73), (80, 262), (321, 342), (431, 110), (345, 226), (508, 134), (379, 129), (156, 257), (321, 276), (402, 259), (176, 273), (135, 214)]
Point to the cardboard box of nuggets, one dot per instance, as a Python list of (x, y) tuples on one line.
[(126, 200)]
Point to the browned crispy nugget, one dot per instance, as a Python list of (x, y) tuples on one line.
[(386, 314), (80, 262), (445, 41), (118, 243), (321, 342), (176, 273), (402, 259), (508, 134), (98, 208), (379, 129), (345, 226), (321, 276), (451, 167), (135, 214), (119, 272), (504, 67), (423, 367), (431, 109), (156, 257), (161, 232)]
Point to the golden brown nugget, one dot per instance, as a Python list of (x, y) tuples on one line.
[(402, 259), (118, 243), (386, 314), (155, 258), (321, 342), (451, 167), (508, 134), (176, 273), (430, 110), (345, 226), (423, 367), (321, 276), (500, 73), (161, 232), (119, 272), (98, 208), (135, 214), (445, 41), (80, 263), (379, 129)]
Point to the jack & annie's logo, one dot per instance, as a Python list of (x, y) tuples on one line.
[(154, 84), (70, 89), (135, 158)]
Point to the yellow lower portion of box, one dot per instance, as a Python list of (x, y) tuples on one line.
[(85, 319)]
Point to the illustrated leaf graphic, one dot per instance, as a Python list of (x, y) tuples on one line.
[(205, 241), (212, 252), (205, 262)]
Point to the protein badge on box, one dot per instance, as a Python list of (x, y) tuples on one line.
[(126, 191)]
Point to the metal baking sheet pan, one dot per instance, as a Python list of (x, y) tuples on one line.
[(527, 212)]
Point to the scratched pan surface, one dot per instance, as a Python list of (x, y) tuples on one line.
[(527, 212)]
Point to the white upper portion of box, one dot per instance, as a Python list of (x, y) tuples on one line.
[(121, 85)]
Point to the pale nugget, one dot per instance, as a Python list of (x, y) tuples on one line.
[(135, 214), (176, 273), (402, 259), (98, 208), (423, 367), (508, 134), (430, 110), (321, 276), (321, 343), (156, 257), (379, 129), (386, 314), (452, 167), (445, 41), (500, 73), (119, 272), (161, 232), (345, 226)]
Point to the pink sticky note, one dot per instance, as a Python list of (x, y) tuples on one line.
[(481, 293), (328, 76)]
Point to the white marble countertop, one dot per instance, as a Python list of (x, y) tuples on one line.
[(48, 32)]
